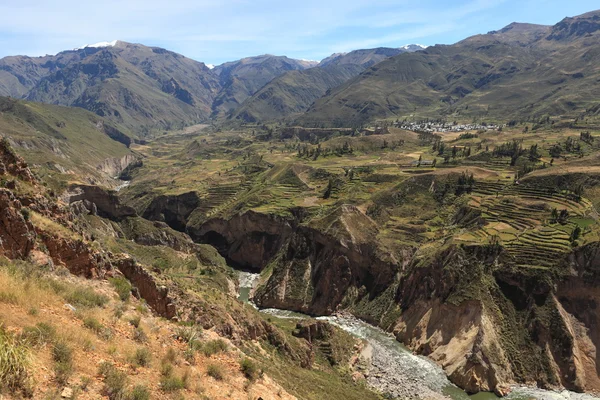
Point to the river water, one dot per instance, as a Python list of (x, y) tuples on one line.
[(396, 370)]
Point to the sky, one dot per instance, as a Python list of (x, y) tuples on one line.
[(215, 31)]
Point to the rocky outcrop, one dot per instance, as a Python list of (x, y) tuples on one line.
[(13, 165), (106, 202), (156, 295), (76, 255), (17, 236), (173, 210), (156, 233), (114, 166), (249, 240)]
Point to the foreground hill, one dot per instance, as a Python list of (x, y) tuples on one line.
[(294, 92), (520, 71), (119, 307)]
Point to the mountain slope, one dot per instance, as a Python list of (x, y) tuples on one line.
[(63, 144), (137, 87), (242, 78), (522, 70), (293, 92)]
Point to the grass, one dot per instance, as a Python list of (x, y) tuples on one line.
[(14, 364), (121, 286), (115, 381), (142, 357), (39, 335), (213, 347), (139, 392), (85, 297), (97, 327), (62, 355), (250, 369), (215, 371)]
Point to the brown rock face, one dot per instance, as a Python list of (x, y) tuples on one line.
[(249, 240), (106, 202), (17, 235), (157, 296), (76, 255)]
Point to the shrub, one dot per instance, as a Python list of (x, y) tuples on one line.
[(170, 356), (85, 297), (139, 335), (249, 369), (172, 383), (39, 334), (102, 331), (139, 392), (119, 310), (216, 371), (14, 364), (213, 347), (188, 333), (62, 355), (166, 369), (142, 357), (115, 381), (122, 287), (135, 321)]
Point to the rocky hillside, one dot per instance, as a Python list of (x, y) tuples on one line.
[(100, 302), (522, 70)]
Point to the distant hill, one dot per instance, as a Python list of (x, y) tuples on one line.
[(293, 92), (522, 70), (242, 78)]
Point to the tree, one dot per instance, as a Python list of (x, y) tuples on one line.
[(575, 234), (329, 189)]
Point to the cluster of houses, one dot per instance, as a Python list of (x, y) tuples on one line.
[(434, 127)]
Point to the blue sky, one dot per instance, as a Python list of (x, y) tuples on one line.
[(217, 31)]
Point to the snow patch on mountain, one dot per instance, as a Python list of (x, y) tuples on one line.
[(99, 44), (413, 47)]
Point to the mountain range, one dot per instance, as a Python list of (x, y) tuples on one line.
[(520, 71), (148, 89)]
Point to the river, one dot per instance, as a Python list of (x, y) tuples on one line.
[(396, 370)]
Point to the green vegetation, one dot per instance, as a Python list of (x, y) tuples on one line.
[(122, 287), (14, 364)]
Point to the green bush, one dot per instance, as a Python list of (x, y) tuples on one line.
[(85, 297), (142, 357), (115, 381), (14, 365), (172, 383), (122, 287), (62, 355), (216, 371), (249, 369), (139, 392), (135, 321), (102, 331), (39, 335), (188, 333), (213, 347)]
